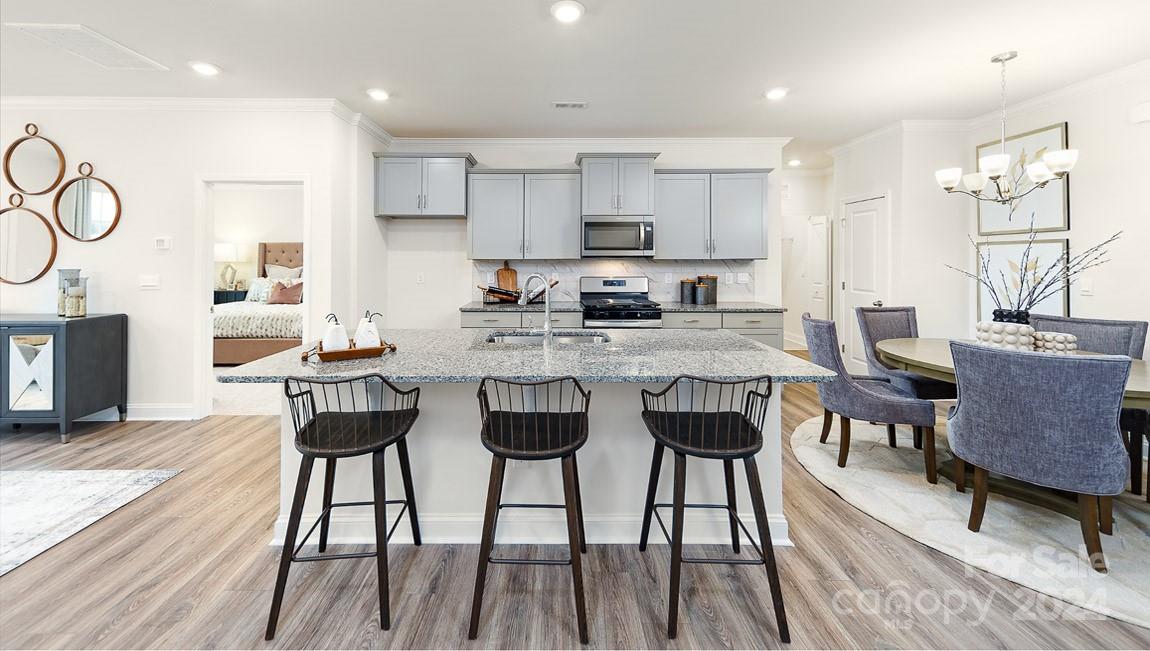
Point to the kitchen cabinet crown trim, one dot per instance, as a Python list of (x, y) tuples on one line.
[(739, 170), (562, 170), (403, 154), (615, 154)]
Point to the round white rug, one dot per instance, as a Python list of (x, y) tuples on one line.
[(1029, 545)]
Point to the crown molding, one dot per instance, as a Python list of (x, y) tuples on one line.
[(608, 144), (837, 150), (175, 103), (808, 172)]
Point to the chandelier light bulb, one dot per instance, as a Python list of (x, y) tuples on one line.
[(948, 178), (1039, 172), (994, 165), (975, 181), (1061, 161)]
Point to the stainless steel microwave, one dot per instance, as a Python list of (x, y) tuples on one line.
[(609, 237)]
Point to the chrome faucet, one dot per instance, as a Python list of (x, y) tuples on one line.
[(546, 301)]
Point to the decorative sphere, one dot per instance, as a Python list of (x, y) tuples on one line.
[(1060, 339), (1011, 329), (1011, 339), (996, 338), (997, 327)]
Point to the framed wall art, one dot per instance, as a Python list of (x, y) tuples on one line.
[(1050, 205), (1005, 265)]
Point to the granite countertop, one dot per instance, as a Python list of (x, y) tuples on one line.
[(556, 306), (463, 355), (722, 306)]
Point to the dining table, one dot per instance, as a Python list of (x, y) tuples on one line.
[(931, 357)]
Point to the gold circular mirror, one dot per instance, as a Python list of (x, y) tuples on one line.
[(33, 164), (87, 208), (27, 243)]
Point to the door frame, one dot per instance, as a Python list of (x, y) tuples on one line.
[(838, 267), (203, 271)]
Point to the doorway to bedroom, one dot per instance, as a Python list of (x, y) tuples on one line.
[(258, 290)]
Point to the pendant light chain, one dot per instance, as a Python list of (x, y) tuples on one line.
[(1003, 132)]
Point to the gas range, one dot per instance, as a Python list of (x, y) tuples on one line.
[(618, 302)]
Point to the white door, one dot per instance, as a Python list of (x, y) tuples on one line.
[(444, 186), (636, 186), (399, 186), (600, 186), (865, 229), (495, 216), (817, 266), (551, 216), (738, 216), (682, 216)]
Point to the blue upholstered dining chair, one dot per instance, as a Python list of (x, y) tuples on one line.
[(1111, 338), (1050, 420), (864, 397), (879, 323)]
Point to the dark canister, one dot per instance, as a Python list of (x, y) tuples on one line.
[(687, 291), (712, 284)]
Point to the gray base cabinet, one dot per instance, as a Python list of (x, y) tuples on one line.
[(56, 370)]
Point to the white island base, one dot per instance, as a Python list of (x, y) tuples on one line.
[(451, 469)]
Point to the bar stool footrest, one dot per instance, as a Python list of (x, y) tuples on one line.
[(527, 561), (713, 561), (296, 558)]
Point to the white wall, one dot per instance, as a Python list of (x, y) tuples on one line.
[(157, 152), (246, 214), (805, 194), (438, 248)]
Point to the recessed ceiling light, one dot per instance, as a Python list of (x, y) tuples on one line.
[(567, 11), (378, 94), (204, 68), (775, 94), (794, 162)]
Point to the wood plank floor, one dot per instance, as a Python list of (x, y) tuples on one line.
[(188, 566)]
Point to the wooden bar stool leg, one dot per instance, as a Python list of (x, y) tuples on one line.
[(301, 485), (729, 472), (574, 537), (649, 504), (891, 439), (676, 544), (929, 456), (494, 492), (381, 539), (328, 488), (844, 440), (767, 546), (408, 489), (1088, 520), (579, 505), (978, 502), (828, 416)]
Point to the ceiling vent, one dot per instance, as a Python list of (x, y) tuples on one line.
[(569, 105), (90, 45)]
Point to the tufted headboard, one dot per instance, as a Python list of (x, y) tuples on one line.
[(284, 254)]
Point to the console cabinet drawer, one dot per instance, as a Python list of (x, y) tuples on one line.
[(490, 320), (558, 319), (692, 320), (750, 320)]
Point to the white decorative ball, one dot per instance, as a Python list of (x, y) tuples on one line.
[(1060, 339), (1011, 339), (997, 327), (996, 338), (1011, 329)]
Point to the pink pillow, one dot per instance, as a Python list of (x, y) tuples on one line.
[(286, 295)]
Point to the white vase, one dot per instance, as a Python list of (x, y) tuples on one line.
[(1011, 336), (1056, 343)]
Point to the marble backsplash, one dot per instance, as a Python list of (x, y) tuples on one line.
[(568, 273)]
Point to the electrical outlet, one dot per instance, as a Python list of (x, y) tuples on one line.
[(730, 278), (149, 281), (490, 278), (667, 278), (419, 278), (744, 278), (163, 243)]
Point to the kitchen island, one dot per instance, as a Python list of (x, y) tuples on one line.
[(450, 465)]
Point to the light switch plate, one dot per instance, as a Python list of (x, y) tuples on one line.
[(419, 278), (667, 278), (163, 243), (149, 281), (490, 278), (1086, 287)]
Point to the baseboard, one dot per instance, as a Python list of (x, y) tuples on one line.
[(532, 528), (145, 411), (794, 342)]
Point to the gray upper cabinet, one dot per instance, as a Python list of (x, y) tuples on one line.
[(495, 216), (551, 216), (618, 184), (411, 185), (738, 216), (683, 217)]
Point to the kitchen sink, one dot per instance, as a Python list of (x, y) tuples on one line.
[(536, 338)]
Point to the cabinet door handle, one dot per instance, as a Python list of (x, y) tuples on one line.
[(690, 320), (490, 320), (753, 320), (713, 246), (620, 201)]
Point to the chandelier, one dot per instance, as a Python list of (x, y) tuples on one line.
[(993, 169)]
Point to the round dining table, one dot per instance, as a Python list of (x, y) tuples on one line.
[(931, 357)]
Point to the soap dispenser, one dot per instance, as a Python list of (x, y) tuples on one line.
[(366, 334), (336, 336)]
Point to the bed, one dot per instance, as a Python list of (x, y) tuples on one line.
[(246, 330)]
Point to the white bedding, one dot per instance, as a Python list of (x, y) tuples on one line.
[(257, 320)]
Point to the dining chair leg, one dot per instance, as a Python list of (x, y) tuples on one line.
[(579, 505), (408, 489), (929, 457), (978, 503), (381, 539), (494, 493), (649, 504), (828, 416), (301, 485), (844, 440), (891, 440), (767, 547), (917, 439), (1088, 519), (574, 537), (328, 488), (959, 475), (1106, 514), (676, 544), (729, 473), (1134, 447)]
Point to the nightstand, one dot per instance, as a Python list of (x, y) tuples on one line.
[(230, 295)]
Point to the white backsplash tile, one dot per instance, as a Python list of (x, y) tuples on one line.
[(569, 272)]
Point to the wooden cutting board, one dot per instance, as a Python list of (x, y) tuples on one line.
[(507, 278)]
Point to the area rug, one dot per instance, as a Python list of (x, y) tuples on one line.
[(1029, 545), (40, 508)]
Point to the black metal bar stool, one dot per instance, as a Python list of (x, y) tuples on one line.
[(351, 417), (533, 421), (710, 419)]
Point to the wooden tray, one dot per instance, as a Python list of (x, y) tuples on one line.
[(350, 353)]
